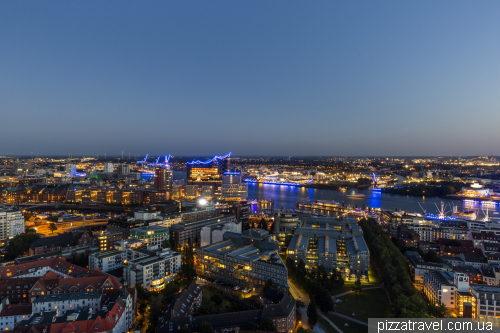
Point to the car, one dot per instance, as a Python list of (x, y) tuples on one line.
[(236, 288)]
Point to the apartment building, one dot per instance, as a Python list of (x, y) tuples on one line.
[(11, 223), (191, 230), (333, 244), (247, 259)]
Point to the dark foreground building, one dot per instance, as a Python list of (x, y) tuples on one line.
[(282, 313)]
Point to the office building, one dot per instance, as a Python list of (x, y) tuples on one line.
[(247, 259)]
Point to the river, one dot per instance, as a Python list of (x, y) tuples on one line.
[(288, 196)]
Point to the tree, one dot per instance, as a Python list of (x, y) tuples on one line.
[(184, 329), (336, 280), (173, 244), (52, 227), (251, 326), (142, 307), (357, 286), (155, 311), (299, 304), (312, 313), (165, 244), (217, 299), (170, 290), (324, 300), (207, 307), (206, 327), (392, 265), (83, 261), (302, 330), (188, 253), (454, 242), (269, 283), (290, 265), (268, 325), (20, 244), (28, 216), (187, 273), (437, 310), (263, 224), (29, 229), (432, 256)]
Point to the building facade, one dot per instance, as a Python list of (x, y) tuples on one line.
[(332, 243), (246, 259), (11, 223), (151, 235)]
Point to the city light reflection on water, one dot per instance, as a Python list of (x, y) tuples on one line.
[(288, 196)]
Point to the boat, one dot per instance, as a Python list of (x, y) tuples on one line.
[(343, 189), (468, 215), (355, 195)]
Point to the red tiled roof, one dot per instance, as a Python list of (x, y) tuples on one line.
[(57, 264), (16, 310)]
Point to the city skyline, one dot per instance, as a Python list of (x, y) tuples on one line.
[(258, 79)]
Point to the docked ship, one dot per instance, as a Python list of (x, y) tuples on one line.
[(467, 215)]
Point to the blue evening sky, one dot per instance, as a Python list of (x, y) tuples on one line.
[(251, 77)]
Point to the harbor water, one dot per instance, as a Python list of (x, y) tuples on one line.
[(287, 197)]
